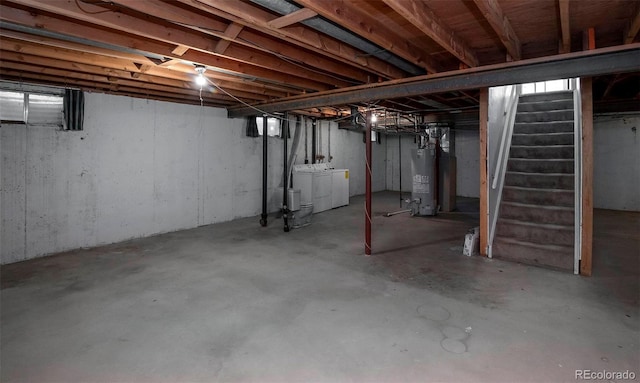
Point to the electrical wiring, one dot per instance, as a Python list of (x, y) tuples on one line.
[(90, 12), (243, 102)]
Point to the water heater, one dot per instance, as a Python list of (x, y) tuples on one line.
[(423, 164)]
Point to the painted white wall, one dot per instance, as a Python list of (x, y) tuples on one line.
[(139, 167), (498, 99), (399, 149), (467, 152), (346, 149), (616, 162), (348, 152), (467, 149)]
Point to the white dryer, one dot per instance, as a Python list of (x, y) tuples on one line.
[(339, 187)]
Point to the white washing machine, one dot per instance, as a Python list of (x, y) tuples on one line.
[(314, 185)]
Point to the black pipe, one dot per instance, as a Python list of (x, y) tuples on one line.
[(285, 176), (400, 164), (263, 219), (306, 143), (313, 140)]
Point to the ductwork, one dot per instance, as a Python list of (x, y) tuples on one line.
[(285, 7)]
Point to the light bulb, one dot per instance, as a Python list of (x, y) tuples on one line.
[(374, 118), (200, 79)]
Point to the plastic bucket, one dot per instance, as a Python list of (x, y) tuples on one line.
[(303, 216)]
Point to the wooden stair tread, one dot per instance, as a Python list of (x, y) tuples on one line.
[(548, 226), (527, 205), (540, 246), (537, 189)]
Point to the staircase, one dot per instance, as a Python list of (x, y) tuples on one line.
[(536, 217)]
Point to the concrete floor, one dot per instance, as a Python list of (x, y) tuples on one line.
[(237, 302)]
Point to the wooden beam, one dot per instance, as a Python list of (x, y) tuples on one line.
[(51, 42), (351, 18), (256, 18), (164, 38), (586, 253), (565, 30), (180, 50), (170, 63), (484, 186), (182, 80), (501, 25), (117, 39), (52, 76), (113, 89), (589, 39), (142, 67), (631, 31), (418, 14), (292, 18), (111, 60), (232, 31)]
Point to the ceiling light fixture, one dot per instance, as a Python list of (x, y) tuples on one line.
[(200, 79)]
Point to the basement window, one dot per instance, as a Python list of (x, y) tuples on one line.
[(273, 126), (546, 86), (31, 108), (38, 105), (12, 107)]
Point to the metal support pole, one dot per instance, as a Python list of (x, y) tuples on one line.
[(285, 175), (400, 165), (313, 140), (367, 209), (263, 219)]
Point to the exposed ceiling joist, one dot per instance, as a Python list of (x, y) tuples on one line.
[(631, 31), (27, 71), (161, 39), (170, 63), (501, 25), (161, 48), (618, 59), (44, 47), (268, 50), (348, 16), (231, 32), (424, 19), (180, 50), (292, 18), (17, 61), (234, 32), (20, 38), (307, 38), (565, 28)]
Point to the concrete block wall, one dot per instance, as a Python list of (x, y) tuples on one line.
[(616, 162), (139, 167)]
